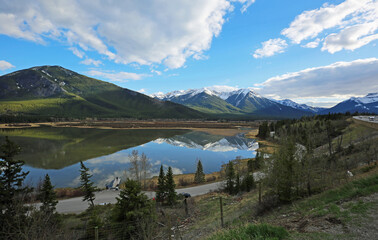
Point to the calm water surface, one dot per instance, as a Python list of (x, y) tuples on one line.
[(58, 151)]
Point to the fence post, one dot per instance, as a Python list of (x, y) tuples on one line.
[(169, 228), (221, 210), (259, 192), (186, 207), (96, 233)]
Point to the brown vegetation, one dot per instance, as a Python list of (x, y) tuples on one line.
[(130, 124)]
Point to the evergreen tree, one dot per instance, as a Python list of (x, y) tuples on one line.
[(161, 193), (132, 210), (47, 196), (87, 185), (237, 184), (284, 171), (170, 187), (258, 161), (12, 210), (199, 176), (230, 176), (264, 130), (247, 183), (250, 164)]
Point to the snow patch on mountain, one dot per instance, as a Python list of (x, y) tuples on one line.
[(222, 92), (370, 98), (290, 103)]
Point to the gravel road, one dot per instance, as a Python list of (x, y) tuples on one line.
[(76, 205)]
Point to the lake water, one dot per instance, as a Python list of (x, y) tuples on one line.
[(58, 151)]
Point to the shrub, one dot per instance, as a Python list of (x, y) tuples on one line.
[(251, 231)]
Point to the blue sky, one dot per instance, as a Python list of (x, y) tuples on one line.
[(317, 52)]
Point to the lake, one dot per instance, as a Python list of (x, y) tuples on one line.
[(58, 151)]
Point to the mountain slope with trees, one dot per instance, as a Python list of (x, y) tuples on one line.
[(53, 91)]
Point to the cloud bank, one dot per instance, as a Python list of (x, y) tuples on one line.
[(337, 80), (144, 32)]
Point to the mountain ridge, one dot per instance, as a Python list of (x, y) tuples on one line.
[(244, 102), (54, 91), (366, 104)]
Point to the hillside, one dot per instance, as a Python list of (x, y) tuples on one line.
[(53, 91)]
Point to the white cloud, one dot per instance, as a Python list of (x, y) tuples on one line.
[(77, 52), (156, 71), (348, 25), (312, 44), (310, 23), (222, 88), (270, 47), (353, 24), (90, 61), (4, 65), (351, 38), (119, 76), (142, 90), (245, 4), (337, 80), (143, 32)]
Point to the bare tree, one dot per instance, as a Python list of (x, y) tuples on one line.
[(145, 167), (135, 169)]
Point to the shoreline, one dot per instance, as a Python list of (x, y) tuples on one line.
[(133, 124)]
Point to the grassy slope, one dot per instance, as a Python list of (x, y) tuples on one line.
[(81, 97), (334, 214)]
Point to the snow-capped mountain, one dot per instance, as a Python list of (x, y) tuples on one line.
[(367, 104), (229, 100), (304, 107), (222, 92)]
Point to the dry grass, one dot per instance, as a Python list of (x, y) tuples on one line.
[(264, 145), (62, 193), (131, 124), (185, 180)]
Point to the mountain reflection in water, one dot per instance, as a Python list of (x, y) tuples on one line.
[(58, 151)]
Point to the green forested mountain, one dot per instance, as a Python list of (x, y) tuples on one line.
[(53, 91)]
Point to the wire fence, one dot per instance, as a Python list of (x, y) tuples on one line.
[(172, 222)]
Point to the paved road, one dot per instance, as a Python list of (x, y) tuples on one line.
[(370, 119), (76, 205)]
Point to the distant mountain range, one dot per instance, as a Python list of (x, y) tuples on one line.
[(367, 104), (246, 102), (241, 102), (53, 91), (304, 107)]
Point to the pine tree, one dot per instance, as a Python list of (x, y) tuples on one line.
[(263, 130), (247, 182), (87, 185), (170, 187), (11, 187), (47, 196), (132, 210), (230, 175), (161, 187), (199, 176), (237, 184)]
